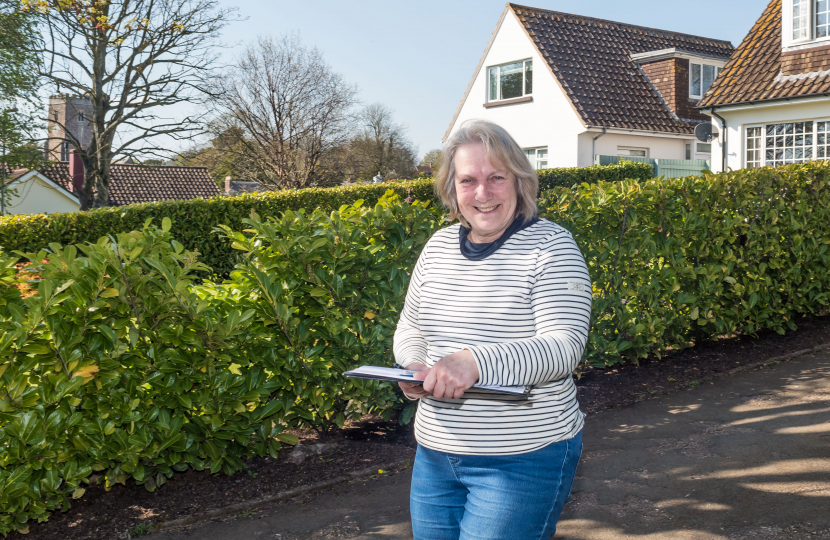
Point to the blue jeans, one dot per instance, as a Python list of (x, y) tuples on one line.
[(518, 497)]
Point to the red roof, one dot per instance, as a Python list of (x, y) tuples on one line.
[(130, 184)]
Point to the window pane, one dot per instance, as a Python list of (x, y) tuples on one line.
[(542, 165), (801, 14), (822, 18), (542, 153), (695, 80), (494, 81), (511, 80), (529, 77), (688, 151), (531, 157), (708, 77), (704, 148)]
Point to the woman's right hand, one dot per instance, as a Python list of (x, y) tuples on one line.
[(414, 391)]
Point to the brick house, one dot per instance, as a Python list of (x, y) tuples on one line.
[(771, 105), (54, 188), (598, 88)]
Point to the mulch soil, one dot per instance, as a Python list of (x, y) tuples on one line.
[(371, 442)]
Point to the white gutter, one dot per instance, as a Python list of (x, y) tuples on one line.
[(771, 103), (643, 132)]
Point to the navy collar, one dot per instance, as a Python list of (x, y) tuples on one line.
[(477, 252)]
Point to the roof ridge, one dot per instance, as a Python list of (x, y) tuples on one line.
[(520, 6)]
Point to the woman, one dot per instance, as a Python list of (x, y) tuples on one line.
[(504, 298)]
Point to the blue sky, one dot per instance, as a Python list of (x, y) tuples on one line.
[(418, 56)]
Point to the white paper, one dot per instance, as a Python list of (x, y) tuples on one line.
[(405, 375)]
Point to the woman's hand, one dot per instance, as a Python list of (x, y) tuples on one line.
[(451, 376), (414, 391)]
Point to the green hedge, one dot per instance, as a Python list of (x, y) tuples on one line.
[(567, 177), (120, 364), (195, 219), (675, 261)]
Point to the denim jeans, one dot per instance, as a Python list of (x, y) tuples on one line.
[(518, 497)]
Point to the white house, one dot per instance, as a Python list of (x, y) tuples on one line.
[(35, 193), (771, 104), (569, 87)]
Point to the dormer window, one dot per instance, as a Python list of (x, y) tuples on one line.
[(805, 21), (701, 77)]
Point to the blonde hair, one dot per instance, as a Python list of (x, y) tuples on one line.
[(500, 148)]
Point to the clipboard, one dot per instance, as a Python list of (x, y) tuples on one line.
[(407, 376)]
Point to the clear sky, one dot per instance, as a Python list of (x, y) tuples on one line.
[(418, 56)]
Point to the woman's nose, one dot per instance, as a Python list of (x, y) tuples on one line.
[(483, 192)]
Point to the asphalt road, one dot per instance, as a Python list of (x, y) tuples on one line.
[(744, 457)]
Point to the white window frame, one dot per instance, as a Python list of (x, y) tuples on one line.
[(787, 40), (535, 160), (635, 148), (763, 148), (717, 69), (498, 79)]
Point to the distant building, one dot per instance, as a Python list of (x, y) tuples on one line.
[(67, 114), (236, 187), (771, 105), (570, 88), (55, 187)]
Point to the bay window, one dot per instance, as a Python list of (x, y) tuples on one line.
[(788, 142), (510, 80)]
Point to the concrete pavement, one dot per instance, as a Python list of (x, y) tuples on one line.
[(744, 457)]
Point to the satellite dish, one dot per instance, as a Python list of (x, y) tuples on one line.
[(706, 132)]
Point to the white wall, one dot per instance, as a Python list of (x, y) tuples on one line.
[(663, 147), (37, 196), (739, 118), (549, 120)]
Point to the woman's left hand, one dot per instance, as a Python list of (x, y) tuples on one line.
[(451, 376)]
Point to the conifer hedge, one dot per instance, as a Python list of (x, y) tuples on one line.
[(195, 220)]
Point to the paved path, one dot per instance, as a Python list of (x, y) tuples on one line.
[(745, 457)]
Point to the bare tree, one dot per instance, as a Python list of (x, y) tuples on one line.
[(131, 59), (381, 145), (290, 109)]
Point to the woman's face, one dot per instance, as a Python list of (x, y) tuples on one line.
[(486, 193)]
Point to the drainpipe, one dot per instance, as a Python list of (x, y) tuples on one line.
[(594, 145), (723, 122)]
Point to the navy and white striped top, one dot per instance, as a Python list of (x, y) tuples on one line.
[(524, 314)]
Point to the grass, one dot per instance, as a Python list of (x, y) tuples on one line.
[(142, 529)]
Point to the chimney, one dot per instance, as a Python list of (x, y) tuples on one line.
[(227, 185), (76, 170)]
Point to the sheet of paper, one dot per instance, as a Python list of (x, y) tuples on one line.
[(405, 375)]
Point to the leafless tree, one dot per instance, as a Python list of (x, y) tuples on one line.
[(132, 59), (381, 145), (290, 109)]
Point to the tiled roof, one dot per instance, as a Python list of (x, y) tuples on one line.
[(130, 184), (760, 71), (591, 58)]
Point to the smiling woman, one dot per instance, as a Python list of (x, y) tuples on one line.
[(501, 298)]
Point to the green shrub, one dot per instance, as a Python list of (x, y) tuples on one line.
[(119, 363), (569, 176), (680, 260), (196, 219)]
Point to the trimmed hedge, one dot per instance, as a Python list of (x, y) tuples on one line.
[(194, 220), (567, 177), (675, 261), (120, 364)]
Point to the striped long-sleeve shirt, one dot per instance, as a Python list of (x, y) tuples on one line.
[(524, 314)]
